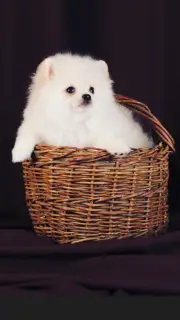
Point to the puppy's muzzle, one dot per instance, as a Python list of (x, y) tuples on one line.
[(86, 99)]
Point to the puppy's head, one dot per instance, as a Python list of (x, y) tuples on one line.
[(77, 83)]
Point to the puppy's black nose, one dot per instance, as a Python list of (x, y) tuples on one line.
[(86, 98)]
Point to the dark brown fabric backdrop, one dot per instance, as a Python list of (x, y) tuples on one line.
[(138, 39)]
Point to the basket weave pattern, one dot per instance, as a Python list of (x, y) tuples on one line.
[(76, 195)]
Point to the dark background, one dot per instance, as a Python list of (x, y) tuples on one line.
[(138, 39)]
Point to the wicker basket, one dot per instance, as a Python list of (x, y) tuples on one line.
[(76, 195)]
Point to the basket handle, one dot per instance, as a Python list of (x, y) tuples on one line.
[(144, 111)]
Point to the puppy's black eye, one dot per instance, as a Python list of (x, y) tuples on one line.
[(91, 89), (70, 90)]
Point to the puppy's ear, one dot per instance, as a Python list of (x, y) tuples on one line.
[(104, 67), (45, 71)]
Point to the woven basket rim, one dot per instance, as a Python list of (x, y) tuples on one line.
[(46, 154)]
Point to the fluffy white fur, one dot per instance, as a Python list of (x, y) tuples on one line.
[(53, 116)]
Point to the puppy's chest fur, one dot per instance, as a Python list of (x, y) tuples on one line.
[(75, 132)]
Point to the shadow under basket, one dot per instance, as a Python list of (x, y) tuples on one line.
[(76, 195)]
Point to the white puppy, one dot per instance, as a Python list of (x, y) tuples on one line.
[(71, 103)]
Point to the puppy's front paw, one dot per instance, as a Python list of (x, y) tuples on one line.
[(21, 153), (118, 148), (112, 145)]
